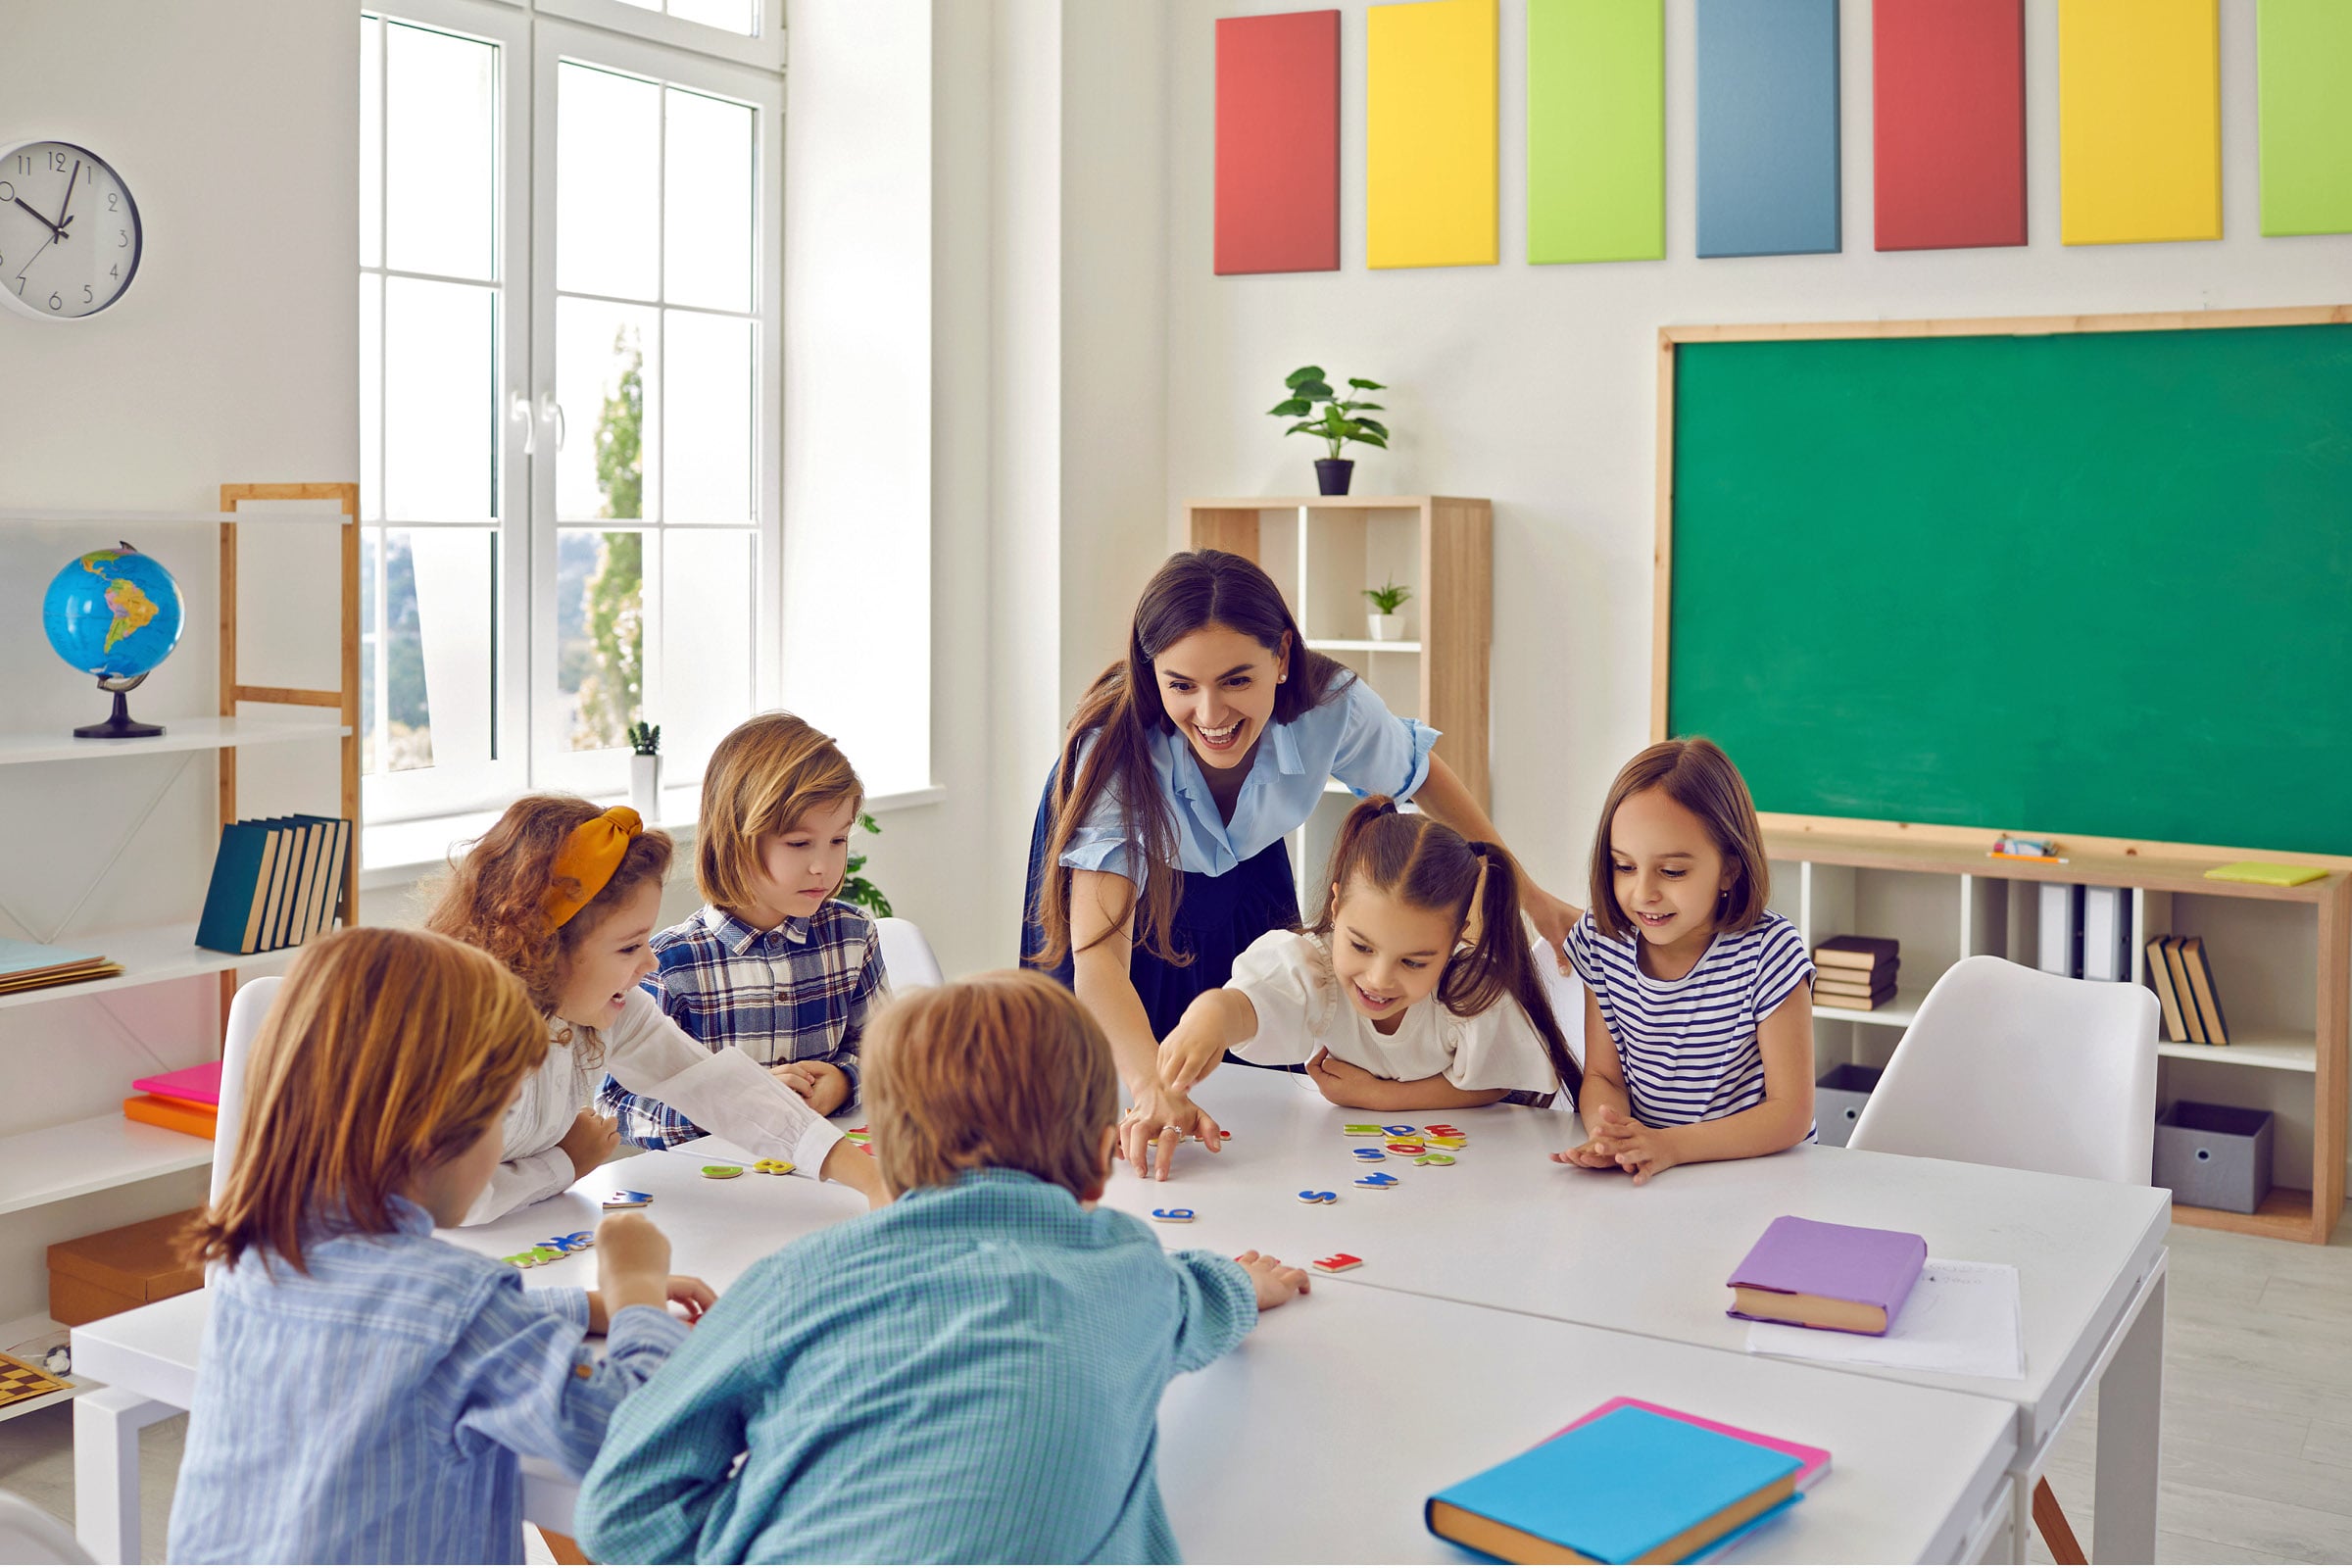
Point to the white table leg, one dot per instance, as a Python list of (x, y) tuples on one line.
[(106, 1423), (2021, 1518), (2131, 1425)]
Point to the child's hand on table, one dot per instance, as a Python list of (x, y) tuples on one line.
[(590, 1143), (1275, 1284), (824, 1086), (1342, 1083), (694, 1294), (1620, 1141), (1191, 1052)]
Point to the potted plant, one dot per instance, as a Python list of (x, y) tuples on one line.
[(855, 889), (1385, 623), (1336, 423), (645, 770)]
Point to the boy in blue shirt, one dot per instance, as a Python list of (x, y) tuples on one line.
[(970, 1374)]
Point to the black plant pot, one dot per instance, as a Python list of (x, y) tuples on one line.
[(1332, 475)]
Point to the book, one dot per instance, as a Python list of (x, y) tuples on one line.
[(2265, 874), (2160, 976), (1853, 976), (1628, 1487), (281, 876), (1818, 1275), (338, 858), (36, 965), (2061, 951), (2200, 982), (1854, 1001), (303, 890), (1816, 1461), (164, 1113), (1854, 953), (226, 925), (2177, 966), (2106, 933), (198, 1085)]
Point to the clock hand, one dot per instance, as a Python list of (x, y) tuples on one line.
[(55, 229), (34, 257), (68, 200)]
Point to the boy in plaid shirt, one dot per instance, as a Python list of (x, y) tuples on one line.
[(772, 962)]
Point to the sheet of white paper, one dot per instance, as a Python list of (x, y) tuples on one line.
[(1961, 1318)]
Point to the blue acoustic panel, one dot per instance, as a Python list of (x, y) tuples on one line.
[(1767, 127)]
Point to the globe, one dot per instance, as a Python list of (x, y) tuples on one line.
[(115, 614)]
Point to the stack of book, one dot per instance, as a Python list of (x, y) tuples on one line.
[(186, 1102), (277, 883), (1816, 1275), (1628, 1482), (2183, 976), (1856, 972), (34, 966)]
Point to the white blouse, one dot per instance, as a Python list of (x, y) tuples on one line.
[(1289, 979), (725, 1092)]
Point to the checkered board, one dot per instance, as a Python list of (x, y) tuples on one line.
[(19, 1379)]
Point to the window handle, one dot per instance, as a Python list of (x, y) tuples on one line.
[(549, 408), (520, 409)]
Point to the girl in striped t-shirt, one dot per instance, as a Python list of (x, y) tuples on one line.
[(1699, 1030)]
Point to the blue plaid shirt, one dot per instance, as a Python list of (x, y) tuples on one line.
[(799, 992), (372, 1409), (972, 1374)]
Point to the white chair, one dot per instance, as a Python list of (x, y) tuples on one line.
[(906, 954), (1567, 992), (29, 1535), (2009, 1067), (245, 1013)]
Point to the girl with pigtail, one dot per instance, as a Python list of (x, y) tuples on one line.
[(1416, 990)]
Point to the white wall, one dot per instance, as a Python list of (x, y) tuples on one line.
[(234, 355)]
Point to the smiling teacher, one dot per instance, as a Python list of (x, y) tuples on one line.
[(1159, 855)]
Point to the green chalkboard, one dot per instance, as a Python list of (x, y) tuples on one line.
[(2089, 582)]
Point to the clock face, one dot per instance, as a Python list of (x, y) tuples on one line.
[(68, 231)]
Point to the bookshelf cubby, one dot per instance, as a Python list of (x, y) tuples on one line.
[(2279, 961)]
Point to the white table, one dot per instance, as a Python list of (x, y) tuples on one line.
[(1503, 1227)]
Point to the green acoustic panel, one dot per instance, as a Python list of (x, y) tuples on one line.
[(2304, 49), (1595, 130), (2096, 584)]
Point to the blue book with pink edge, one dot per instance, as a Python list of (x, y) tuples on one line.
[(1629, 1483)]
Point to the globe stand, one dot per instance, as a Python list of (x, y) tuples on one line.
[(119, 726)]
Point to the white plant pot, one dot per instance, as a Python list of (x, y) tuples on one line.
[(1385, 629), (645, 787)]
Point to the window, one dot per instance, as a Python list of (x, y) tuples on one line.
[(569, 374)]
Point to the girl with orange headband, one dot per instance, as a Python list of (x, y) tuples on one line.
[(568, 897)]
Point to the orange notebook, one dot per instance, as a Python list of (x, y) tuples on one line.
[(178, 1115)]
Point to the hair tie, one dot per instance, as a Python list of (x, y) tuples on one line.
[(588, 860)]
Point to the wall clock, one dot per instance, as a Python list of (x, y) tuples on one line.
[(69, 230)]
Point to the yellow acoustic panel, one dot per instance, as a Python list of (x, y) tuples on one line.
[(1430, 137), (2139, 121)]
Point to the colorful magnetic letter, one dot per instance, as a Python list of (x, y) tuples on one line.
[(1767, 127), (719, 1173), (2139, 121), (628, 1200), (1278, 143), (773, 1167), (1398, 1131), (2305, 67), (1380, 1181), (1362, 1129), (1430, 134), (1338, 1263), (1312, 1196), (1948, 97), (1433, 1159), (1369, 1156), (1173, 1216), (1413, 1148), (1442, 1129), (1595, 130)]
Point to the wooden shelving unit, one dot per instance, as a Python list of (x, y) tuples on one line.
[(1982, 917)]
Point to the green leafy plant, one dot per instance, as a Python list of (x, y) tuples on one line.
[(1389, 598), (855, 889), (1338, 422), (645, 739)]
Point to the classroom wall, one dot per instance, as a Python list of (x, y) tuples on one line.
[(1536, 385)]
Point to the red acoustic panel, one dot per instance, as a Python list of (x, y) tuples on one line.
[(1278, 143), (1950, 92)]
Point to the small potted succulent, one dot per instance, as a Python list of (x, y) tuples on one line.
[(1385, 623), (1336, 423), (645, 771)]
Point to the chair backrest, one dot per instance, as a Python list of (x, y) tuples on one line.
[(32, 1535), (245, 1014), (2009, 1067), (906, 954)]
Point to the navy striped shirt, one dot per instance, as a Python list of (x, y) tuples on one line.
[(1689, 1048)]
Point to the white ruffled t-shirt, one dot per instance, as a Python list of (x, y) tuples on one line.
[(1287, 977)]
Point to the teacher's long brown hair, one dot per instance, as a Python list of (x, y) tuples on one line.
[(1123, 710)]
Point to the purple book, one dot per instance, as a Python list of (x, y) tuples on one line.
[(1821, 1276)]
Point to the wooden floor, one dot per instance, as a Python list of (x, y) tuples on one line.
[(2257, 1415)]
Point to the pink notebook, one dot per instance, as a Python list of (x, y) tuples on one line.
[(200, 1084), (1816, 1461)]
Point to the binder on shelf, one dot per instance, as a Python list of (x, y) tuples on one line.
[(2106, 934), (2061, 929)]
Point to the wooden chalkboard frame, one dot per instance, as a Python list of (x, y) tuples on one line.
[(1932, 834)]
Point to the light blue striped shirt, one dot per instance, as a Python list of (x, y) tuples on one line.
[(373, 1410), (1689, 1048), (972, 1374), (1350, 736)]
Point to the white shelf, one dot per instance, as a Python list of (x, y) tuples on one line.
[(63, 516), (39, 1326), (1898, 1014), (180, 735), (2275, 1048), (55, 1163), (1344, 645), (147, 956)]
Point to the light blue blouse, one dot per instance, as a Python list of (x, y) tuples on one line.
[(1350, 736)]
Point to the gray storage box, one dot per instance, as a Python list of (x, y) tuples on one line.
[(1839, 1098), (2215, 1156)]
